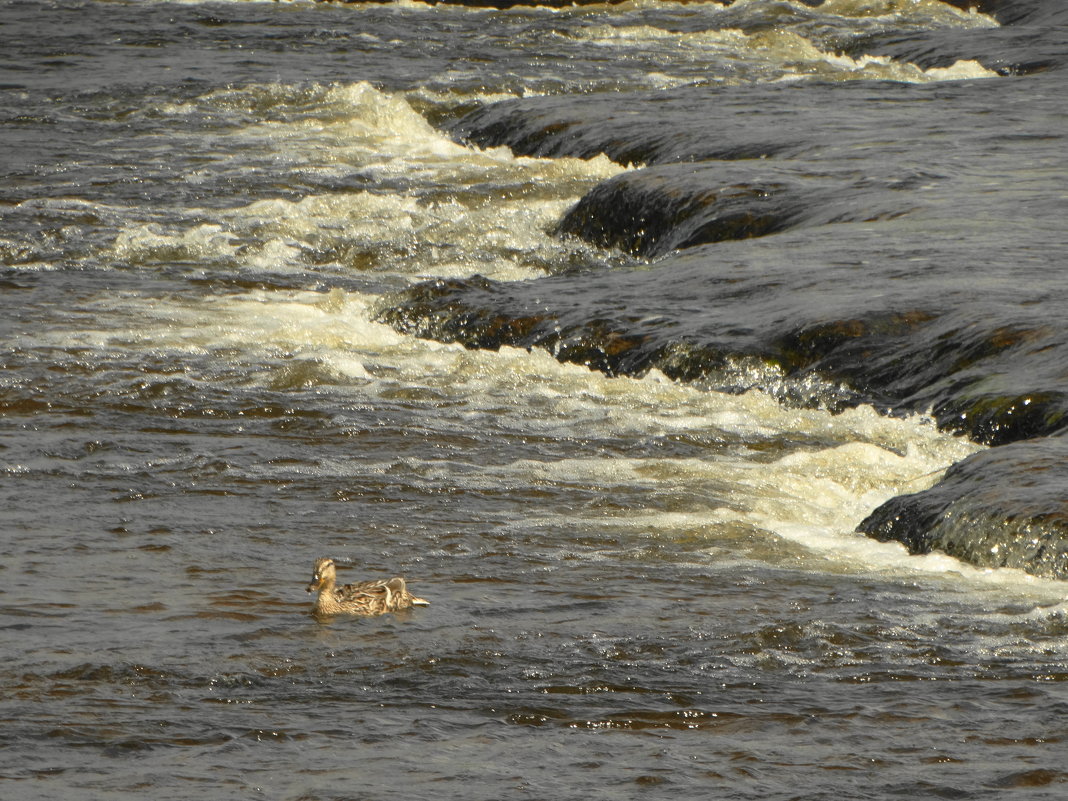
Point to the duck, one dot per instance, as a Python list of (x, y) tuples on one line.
[(367, 598)]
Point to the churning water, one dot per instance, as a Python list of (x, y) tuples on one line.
[(641, 586)]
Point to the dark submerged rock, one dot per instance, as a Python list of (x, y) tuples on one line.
[(1019, 48), (692, 319), (655, 210), (992, 510), (630, 129), (651, 212), (1007, 12)]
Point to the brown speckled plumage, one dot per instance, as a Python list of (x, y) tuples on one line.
[(363, 598)]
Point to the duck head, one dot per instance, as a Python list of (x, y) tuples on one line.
[(324, 576)]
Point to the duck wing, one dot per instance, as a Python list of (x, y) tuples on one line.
[(366, 589), (384, 594)]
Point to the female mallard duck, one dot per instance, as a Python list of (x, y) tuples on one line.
[(364, 598)]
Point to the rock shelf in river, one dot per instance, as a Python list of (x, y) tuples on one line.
[(820, 252)]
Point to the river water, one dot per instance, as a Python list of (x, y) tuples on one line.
[(223, 230)]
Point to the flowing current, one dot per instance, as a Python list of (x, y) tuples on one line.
[(639, 588)]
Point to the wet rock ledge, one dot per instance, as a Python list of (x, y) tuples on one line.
[(992, 509), (779, 245)]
